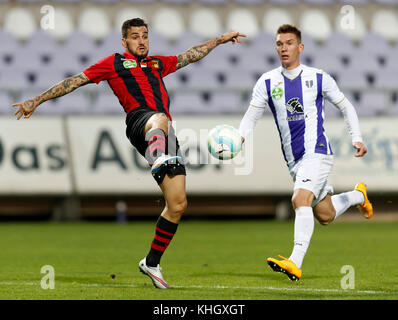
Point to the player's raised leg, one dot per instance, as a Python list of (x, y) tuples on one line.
[(173, 188), (331, 207), (156, 133)]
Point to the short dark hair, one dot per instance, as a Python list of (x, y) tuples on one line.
[(136, 22), (288, 28)]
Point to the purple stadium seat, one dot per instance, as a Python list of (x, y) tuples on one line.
[(203, 79), (352, 79), (187, 102), (13, 78), (225, 102), (107, 103), (339, 43), (372, 103), (386, 79), (6, 103), (239, 79)]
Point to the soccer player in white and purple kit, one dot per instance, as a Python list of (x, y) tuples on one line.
[(295, 94)]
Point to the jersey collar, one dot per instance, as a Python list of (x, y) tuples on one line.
[(292, 74), (129, 56)]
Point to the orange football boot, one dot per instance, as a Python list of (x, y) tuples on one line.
[(366, 207), (285, 266)]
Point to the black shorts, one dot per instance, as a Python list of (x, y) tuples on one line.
[(135, 132)]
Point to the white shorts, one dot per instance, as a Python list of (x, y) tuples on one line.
[(311, 173)]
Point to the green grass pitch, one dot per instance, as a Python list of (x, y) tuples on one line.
[(207, 260)]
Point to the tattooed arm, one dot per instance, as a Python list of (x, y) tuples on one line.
[(27, 107), (200, 51)]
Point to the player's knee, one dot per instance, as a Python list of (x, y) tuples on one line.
[(300, 201), (326, 219), (158, 121), (324, 222), (178, 206)]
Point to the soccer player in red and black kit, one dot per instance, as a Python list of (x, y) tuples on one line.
[(136, 80)]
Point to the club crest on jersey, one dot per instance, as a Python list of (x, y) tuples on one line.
[(294, 106), (309, 83), (129, 64), (155, 64)]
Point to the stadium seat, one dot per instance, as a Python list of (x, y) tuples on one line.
[(225, 102), (205, 23), (372, 103), (6, 103), (355, 29), (7, 53), (205, 78), (239, 80), (187, 102), (76, 102), (386, 79), (64, 25), (328, 61), (274, 18), (254, 62), (316, 24), (20, 23), (187, 40), (13, 78), (339, 43), (44, 78), (263, 42), (375, 44), (168, 22), (352, 79), (41, 42), (111, 43), (94, 22), (385, 23), (82, 46), (159, 44), (364, 60), (126, 14), (243, 20), (391, 62), (107, 103), (393, 107)]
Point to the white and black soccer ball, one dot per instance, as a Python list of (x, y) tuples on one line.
[(224, 142)]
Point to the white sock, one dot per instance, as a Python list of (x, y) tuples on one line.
[(303, 229), (341, 202)]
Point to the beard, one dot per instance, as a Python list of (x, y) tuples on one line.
[(139, 56)]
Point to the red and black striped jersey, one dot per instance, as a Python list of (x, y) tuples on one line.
[(136, 83)]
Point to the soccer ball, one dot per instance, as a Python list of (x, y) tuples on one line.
[(224, 142)]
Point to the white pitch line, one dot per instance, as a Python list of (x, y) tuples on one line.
[(120, 285)]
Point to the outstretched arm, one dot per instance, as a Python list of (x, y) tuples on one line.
[(200, 51), (351, 119), (66, 86)]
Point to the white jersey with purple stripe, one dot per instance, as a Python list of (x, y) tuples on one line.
[(297, 105)]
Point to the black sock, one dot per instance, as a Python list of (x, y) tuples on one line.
[(165, 231)]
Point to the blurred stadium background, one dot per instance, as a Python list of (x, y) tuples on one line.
[(49, 165)]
